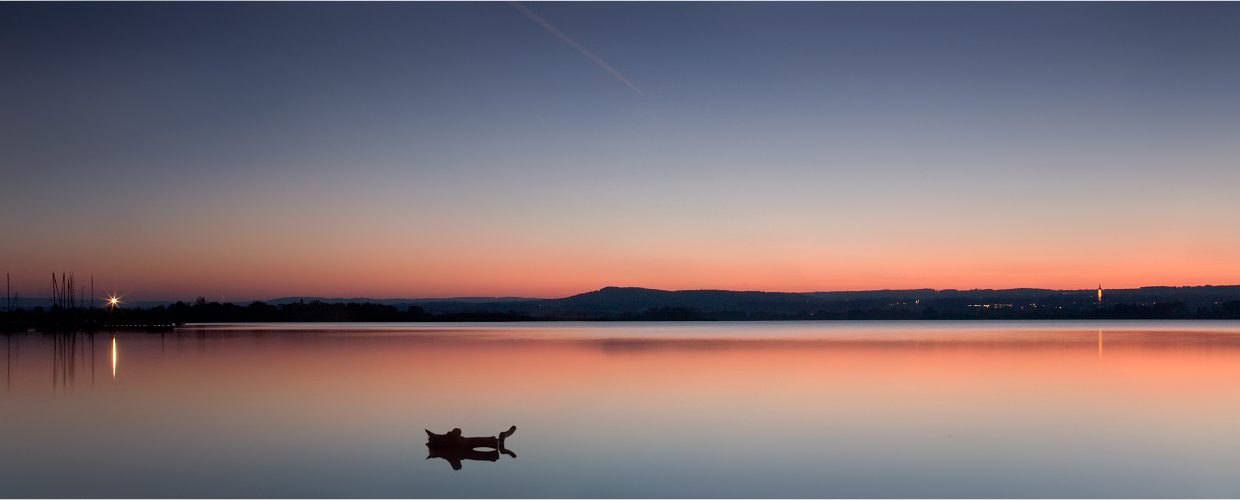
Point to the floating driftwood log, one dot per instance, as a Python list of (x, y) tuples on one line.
[(453, 447)]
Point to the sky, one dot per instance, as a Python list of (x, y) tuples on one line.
[(246, 151)]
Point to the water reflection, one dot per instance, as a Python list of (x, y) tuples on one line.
[(8, 362), (454, 448), (701, 410), (66, 356)]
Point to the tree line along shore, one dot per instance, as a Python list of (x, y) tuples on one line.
[(994, 307)]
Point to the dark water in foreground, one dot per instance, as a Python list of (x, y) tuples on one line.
[(794, 409)]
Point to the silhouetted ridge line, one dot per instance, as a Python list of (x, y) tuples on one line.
[(632, 303), (644, 304)]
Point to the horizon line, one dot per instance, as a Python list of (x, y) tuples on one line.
[(510, 297)]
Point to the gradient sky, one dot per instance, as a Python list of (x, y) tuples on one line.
[(256, 150)]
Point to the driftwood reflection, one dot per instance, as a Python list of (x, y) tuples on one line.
[(454, 448)]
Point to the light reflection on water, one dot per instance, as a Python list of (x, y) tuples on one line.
[(789, 409)]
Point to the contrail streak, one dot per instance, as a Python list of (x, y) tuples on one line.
[(575, 45)]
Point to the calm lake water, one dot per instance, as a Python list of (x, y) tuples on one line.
[(788, 409)]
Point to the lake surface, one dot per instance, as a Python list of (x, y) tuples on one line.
[(784, 409)]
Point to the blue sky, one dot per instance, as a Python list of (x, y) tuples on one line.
[(428, 149)]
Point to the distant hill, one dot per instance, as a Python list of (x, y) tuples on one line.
[(645, 303), (617, 303)]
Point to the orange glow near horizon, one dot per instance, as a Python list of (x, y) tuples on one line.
[(254, 265), (553, 276)]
